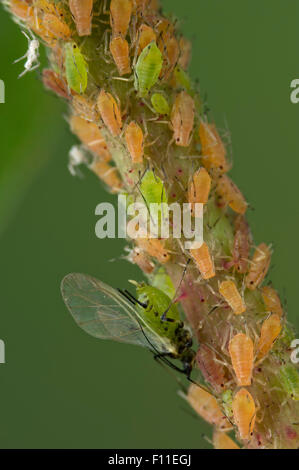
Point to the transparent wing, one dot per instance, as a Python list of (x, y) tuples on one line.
[(104, 313)]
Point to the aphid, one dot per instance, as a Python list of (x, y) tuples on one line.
[(110, 112), (269, 332), (185, 53), (212, 371), (289, 379), (207, 407), (199, 188), (182, 118), (181, 79), (229, 291), (31, 55), (204, 261), (55, 83), (142, 260), (272, 300), (76, 158), (119, 49), (84, 108), (227, 402), (231, 195), (108, 174), (75, 68), (134, 139), (241, 247), (147, 69), (160, 104), (21, 9), (90, 135), (241, 353), (152, 189), (146, 36), (106, 313), (82, 13), (244, 413), (120, 16), (223, 441), (56, 26), (259, 266), (171, 52), (213, 150), (155, 248)]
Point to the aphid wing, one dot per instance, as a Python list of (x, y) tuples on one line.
[(104, 313)]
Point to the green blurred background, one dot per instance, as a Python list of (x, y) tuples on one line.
[(60, 387)]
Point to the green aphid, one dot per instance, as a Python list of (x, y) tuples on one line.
[(151, 320), (148, 68), (182, 78), (160, 104), (289, 379), (75, 68), (162, 281), (227, 402), (152, 189)]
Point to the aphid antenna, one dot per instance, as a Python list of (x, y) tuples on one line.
[(163, 317)]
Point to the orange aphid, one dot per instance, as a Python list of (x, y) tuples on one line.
[(55, 83), (120, 16), (223, 441), (203, 261), (56, 26), (21, 9), (85, 108), (134, 140), (119, 49), (229, 291), (241, 353), (165, 31), (82, 13), (211, 369), (269, 332), (108, 174), (244, 412), (185, 53), (213, 150), (182, 118), (89, 133), (242, 242), (207, 407), (109, 112), (171, 53), (230, 194), (259, 266), (199, 188), (154, 247), (142, 260), (272, 300), (146, 36)]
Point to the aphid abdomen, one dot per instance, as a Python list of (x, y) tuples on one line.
[(230, 194), (207, 407), (109, 112), (108, 174), (204, 261), (244, 412), (82, 13), (258, 267), (119, 49), (269, 333), (289, 379), (160, 104), (241, 353), (134, 140), (90, 135), (146, 36), (55, 83), (120, 16), (223, 441), (272, 300), (229, 291), (213, 150), (182, 119), (56, 26), (241, 248), (212, 371), (199, 188)]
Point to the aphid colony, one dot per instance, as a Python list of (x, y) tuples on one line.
[(145, 87)]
